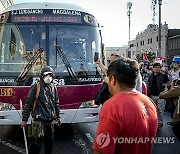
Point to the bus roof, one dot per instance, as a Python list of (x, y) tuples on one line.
[(38, 5)]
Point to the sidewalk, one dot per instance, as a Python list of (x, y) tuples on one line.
[(166, 132)]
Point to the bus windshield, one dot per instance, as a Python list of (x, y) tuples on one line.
[(19, 42), (79, 43)]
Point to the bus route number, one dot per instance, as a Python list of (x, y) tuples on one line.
[(5, 91)]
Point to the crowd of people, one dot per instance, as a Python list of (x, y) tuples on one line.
[(167, 79), (122, 110), (125, 114)]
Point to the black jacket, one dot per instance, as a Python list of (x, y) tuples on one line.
[(161, 79), (47, 106)]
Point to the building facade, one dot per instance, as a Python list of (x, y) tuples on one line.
[(122, 51), (173, 44), (147, 41)]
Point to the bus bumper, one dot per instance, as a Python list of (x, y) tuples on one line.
[(13, 117), (10, 117), (80, 115)]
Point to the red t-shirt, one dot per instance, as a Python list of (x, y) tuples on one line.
[(127, 124)]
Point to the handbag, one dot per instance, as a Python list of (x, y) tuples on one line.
[(36, 129), (102, 95)]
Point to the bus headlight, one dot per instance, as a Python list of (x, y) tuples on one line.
[(6, 106), (89, 104)]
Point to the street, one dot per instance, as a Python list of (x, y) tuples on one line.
[(78, 138), (69, 138)]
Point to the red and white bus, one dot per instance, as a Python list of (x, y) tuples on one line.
[(63, 36)]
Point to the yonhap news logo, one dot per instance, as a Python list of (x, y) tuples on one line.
[(144, 140), (103, 140)]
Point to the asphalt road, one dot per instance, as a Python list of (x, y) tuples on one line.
[(69, 138), (78, 138)]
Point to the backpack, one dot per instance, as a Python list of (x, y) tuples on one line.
[(102, 95)]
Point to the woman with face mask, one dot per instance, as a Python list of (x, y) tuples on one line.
[(44, 110), (175, 72)]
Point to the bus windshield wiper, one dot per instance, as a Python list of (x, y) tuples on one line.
[(29, 65), (66, 62)]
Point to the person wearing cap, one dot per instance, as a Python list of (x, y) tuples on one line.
[(175, 72), (45, 110), (156, 84)]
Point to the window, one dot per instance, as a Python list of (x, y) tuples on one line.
[(178, 43), (157, 39), (131, 45), (78, 43), (18, 45)]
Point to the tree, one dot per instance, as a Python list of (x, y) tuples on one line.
[(151, 56), (139, 57)]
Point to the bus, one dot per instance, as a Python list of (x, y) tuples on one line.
[(64, 36)]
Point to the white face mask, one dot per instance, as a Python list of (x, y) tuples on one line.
[(48, 79)]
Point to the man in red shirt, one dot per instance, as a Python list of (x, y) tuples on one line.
[(128, 120)]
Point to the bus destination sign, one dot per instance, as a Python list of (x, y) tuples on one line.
[(40, 15)]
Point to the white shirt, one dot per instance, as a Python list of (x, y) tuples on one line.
[(175, 75)]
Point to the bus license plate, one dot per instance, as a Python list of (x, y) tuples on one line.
[(5, 91)]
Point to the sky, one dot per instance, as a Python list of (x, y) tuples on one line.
[(112, 16)]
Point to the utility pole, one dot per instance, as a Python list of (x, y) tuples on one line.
[(159, 43), (129, 5)]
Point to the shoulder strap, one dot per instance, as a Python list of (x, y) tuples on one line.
[(53, 87), (37, 95)]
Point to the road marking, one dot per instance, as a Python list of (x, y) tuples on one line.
[(78, 140), (8, 144), (89, 137)]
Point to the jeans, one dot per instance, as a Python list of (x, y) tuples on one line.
[(160, 103)]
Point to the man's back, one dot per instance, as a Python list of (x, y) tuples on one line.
[(129, 120)]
